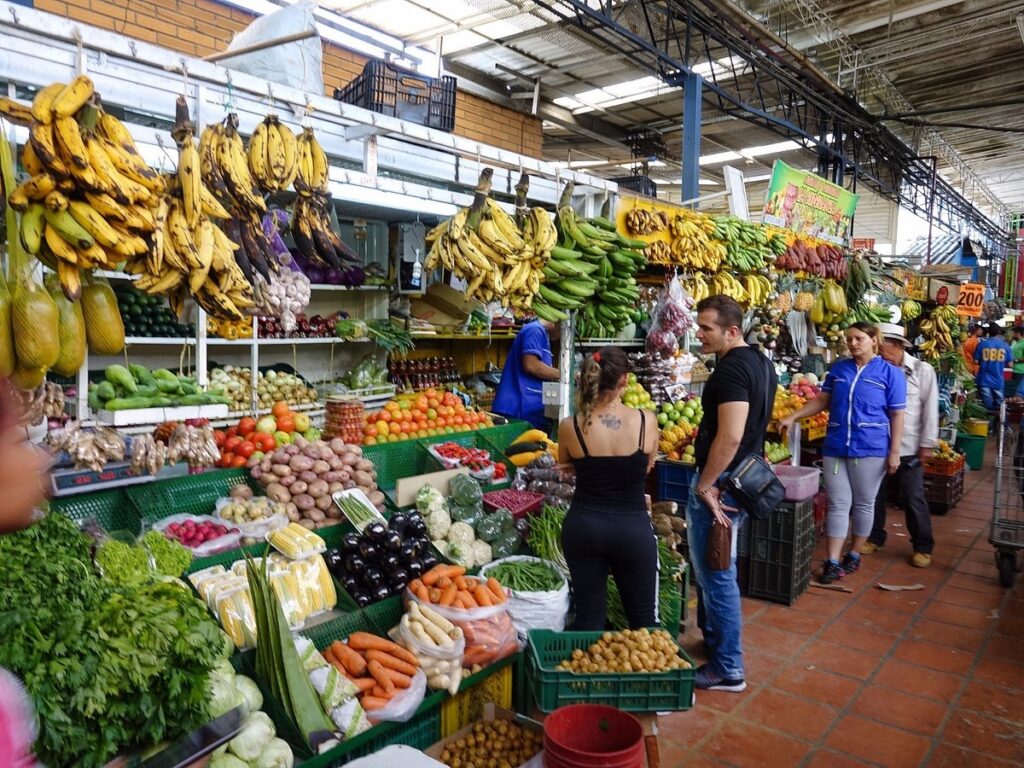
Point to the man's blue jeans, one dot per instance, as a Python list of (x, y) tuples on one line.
[(991, 397), (720, 594)]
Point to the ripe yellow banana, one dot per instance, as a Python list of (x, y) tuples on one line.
[(42, 104), (92, 222), (73, 97), (190, 178), (32, 223), (69, 137)]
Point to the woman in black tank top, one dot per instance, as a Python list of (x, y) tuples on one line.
[(610, 448)]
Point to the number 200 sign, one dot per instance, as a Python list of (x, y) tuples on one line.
[(970, 300)]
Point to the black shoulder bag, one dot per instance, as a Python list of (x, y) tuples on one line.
[(753, 484)]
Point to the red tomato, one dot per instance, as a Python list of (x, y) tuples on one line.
[(232, 431), (247, 426), (286, 424), (238, 461), (266, 443), (219, 437), (245, 450), (225, 460), (232, 443)]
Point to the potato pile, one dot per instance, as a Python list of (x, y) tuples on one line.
[(632, 650), (304, 476), (493, 744)]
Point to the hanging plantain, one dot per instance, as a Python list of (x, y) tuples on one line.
[(104, 329), (71, 327), (33, 315)]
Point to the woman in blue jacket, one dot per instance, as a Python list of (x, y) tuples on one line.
[(867, 396)]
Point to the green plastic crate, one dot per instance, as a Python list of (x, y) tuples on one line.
[(191, 494), (331, 535), (661, 692), (501, 436), (467, 440), (395, 460), (322, 635), (112, 509), (385, 614)]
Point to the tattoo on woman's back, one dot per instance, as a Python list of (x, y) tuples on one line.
[(610, 420)]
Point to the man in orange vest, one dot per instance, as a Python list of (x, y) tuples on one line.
[(968, 347)]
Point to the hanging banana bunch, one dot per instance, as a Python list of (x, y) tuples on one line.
[(224, 165), (273, 155), (482, 245), (86, 201), (188, 253), (312, 175)]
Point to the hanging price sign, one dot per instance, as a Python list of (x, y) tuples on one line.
[(970, 300)]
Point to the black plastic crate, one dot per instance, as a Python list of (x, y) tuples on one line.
[(780, 553), (404, 94), (944, 490), (642, 185), (673, 482)]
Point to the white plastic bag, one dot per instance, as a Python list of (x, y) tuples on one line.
[(535, 610), (441, 662), (256, 530), (298, 64), (489, 633), (671, 319), (403, 704), (211, 547)]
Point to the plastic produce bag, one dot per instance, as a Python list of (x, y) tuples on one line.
[(671, 320), (465, 491), (489, 633), (470, 514), (210, 547), (438, 649), (403, 705), (298, 64), (535, 610), (310, 657), (333, 687), (351, 720)]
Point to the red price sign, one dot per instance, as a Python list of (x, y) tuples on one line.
[(970, 300)]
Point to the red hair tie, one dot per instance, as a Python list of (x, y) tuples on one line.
[(597, 357)]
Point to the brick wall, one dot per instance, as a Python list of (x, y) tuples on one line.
[(202, 27)]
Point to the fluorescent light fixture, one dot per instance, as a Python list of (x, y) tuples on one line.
[(650, 164), (383, 199), (755, 179), (750, 152), (580, 163)]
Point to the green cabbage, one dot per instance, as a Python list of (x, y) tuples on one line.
[(250, 692), (257, 731), (227, 760), (465, 491), (277, 754), (223, 696)]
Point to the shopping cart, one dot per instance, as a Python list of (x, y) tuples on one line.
[(1008, 503)]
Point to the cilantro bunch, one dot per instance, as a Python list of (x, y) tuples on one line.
[(110, 668)]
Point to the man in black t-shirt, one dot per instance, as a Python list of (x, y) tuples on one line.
[(737, 404)]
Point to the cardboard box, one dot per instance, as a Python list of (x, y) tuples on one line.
[(443, 306), (492, 712)]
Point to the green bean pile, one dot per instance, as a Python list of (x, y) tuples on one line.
[(527, 576)]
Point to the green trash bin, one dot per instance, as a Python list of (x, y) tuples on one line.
[(973, 447)]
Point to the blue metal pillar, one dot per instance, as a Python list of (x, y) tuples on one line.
[(692, 86)]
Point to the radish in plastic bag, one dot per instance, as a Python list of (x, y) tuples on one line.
[(670, 321)]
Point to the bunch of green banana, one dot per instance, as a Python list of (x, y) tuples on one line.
[(483, 245), (747, 244), (871, 313), (592, 270), (224, 164), (85, 203), (273, 155), (910, 310)]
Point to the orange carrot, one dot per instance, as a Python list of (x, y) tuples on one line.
[(415, 584), (328, 654), (391, 662), (443, 583), (472, 584), (381, 676), (352, 661), (467, 598), (495, 587), (421, 592), (460, 582), (431, 577), (364, 641), (483, 596), (370, 703), (397, 678), (364, 683), (379, 692), (448, 594)]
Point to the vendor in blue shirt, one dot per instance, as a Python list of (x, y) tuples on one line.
[(527, 367), (992, 355)]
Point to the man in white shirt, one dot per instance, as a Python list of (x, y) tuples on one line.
[(920, 434)]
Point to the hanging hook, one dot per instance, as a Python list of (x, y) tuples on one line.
[(270, 95), (76, 35), (229, 96), (184, 77)]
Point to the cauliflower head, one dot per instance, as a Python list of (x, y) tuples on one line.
[(482, 553), (438, 523)]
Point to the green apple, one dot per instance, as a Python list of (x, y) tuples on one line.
[(631, 378), (282, 438), (662, 419), (301, 422)]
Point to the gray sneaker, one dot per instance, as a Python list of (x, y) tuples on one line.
[(706, 679)]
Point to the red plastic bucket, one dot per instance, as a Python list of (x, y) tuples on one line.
[(592, 736)]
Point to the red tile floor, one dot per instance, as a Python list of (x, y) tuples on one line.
[(899, 679)]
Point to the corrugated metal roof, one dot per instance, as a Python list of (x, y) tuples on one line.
[(945, 248)]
